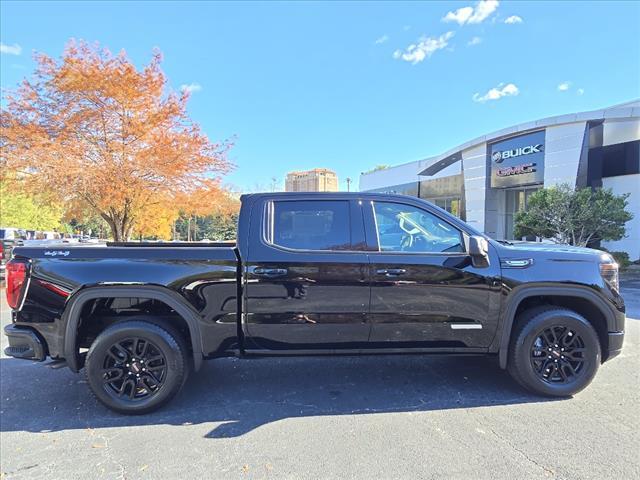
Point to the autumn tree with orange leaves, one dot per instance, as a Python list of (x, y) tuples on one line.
[(93, 131)]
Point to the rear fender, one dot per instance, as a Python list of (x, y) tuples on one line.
[(71, 317)]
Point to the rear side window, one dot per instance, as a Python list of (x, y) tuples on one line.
[(311, 225)]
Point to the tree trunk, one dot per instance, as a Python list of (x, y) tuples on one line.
[(120, 227)]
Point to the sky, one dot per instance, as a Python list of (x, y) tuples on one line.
[(351, 85)]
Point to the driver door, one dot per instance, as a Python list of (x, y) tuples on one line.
[(425, 293)]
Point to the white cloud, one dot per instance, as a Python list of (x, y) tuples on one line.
[(191, 87), (580, 91), (564, 86), (382, 39), (461, 15), (14, 49), (478, 14), (474, 41), (496, 93), (426, 46), (513, 19)]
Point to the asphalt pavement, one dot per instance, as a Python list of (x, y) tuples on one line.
[(404, 417)]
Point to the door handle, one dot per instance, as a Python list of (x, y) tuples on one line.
[(270, 272), (391, 272)]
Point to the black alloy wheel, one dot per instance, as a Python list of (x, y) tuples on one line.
[(134, 369), (553, 351), (136, 366), (557, 354)]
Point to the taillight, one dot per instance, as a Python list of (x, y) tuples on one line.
[(16, 279)]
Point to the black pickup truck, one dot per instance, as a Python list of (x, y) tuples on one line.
[(315, 274)]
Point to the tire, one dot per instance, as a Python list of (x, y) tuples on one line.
[(553, 352), (134, 367)]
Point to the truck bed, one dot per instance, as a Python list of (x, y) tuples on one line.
[(204, 275)]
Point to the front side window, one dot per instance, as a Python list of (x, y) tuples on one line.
[(311, 225), (404, 228)]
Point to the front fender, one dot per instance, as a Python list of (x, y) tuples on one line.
[(522, 292)]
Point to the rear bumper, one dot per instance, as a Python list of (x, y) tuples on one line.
[(616, 339), (24, 343)]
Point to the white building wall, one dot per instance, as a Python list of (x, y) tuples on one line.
[(627, 184), (401, 174), (398, 175), (620, 131), (474, 169), (563, 146)]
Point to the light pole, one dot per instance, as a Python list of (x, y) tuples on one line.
[(348, 184)]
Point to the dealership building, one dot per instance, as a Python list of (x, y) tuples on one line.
[(487, 180)]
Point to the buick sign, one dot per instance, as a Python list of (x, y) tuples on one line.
[(499, 157), (517, 161)]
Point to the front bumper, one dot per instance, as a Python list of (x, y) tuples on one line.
[(616, 339), (24, 343)]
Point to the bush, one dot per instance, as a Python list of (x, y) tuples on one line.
[(577, 217)]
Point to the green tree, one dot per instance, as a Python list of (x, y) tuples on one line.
[(224, 227), (91, 225), (376, 168), (30, 213), (218, 227), (574, 216)]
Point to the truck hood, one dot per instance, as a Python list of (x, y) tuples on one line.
[(551, 251)]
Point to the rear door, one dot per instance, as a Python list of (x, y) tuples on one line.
[(425, 292), (306, 275)]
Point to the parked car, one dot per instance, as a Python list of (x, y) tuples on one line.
[(312, 274)]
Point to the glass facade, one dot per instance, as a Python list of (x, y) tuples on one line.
[(445, 192), (516, 201), (452, 205)]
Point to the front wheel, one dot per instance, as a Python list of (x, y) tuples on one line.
[(135, 367), (554, 352)]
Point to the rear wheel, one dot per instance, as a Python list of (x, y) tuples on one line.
[(135, 367), (554, 351)]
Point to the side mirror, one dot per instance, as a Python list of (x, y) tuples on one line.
[(479, 251)]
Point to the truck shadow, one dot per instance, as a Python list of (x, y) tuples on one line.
[(238, 396)]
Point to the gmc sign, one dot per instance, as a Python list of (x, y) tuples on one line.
[(517, 161)]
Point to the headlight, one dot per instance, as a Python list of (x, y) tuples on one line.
[(609, 272)]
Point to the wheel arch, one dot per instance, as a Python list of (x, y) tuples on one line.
[(72, 316), (574, 297)]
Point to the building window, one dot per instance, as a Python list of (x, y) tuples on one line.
[(516, 201), (621, 159), (450, 204)]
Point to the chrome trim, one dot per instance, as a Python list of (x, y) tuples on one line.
[(516, 262), (466, 326)]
